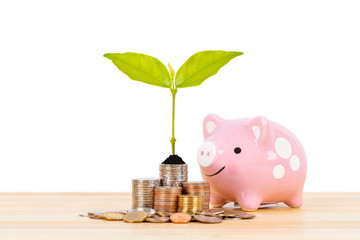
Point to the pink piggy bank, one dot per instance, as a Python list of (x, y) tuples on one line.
[(250, 161)]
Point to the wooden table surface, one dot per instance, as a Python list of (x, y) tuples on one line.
[(49, 216)]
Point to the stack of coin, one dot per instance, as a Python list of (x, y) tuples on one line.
[(172, 175), (190, 203), (143, 192), (198, 188), (166, 199)]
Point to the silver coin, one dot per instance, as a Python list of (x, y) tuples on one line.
[(149, 211), (93, 213)]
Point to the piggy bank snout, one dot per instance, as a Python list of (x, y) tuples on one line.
[(206, 154)]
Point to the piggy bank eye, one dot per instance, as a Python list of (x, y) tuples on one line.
[(237, 150)]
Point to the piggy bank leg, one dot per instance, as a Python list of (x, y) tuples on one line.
[(249, 202), (295, 201), (216, 201)]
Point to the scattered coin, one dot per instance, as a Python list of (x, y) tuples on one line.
[(99, 214), (123, 211), (213, 211), (158, 219), (113, 216), (207, 214), (229, 213), (93, 213), (180, 218), (206, 219), (163, 214), (243, 215), (193, 218), (236, 214), (151, 212), (135, 217), (96, 214)]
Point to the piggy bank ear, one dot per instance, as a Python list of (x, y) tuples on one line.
[(263, 131), (211, 124)]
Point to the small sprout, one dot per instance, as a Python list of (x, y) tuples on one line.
[(193, 72), (172, 72)]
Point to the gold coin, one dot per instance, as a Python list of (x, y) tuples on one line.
[(149, 211), (113, 216), (98, 214), (93, 213), (158, 219), (135, 217)]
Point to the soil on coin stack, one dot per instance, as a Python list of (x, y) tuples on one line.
[(173, 159)]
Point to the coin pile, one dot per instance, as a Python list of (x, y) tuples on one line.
[(198, 188), (190, 203), (166, 199), (215, 215), (173, 175), (170, 198), (143, 192)]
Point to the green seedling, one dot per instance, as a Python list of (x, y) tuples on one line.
[(193, 72)]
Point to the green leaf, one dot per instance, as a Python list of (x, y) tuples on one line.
[(202, 65), (141, 67)]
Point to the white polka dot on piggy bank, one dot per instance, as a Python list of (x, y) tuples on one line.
[(251, 161)]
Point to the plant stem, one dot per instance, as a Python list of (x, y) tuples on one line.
[(173, 140)]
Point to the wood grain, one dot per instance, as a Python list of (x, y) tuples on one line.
[(48, 216)]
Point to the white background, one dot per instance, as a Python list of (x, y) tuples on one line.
[(71, 121)]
